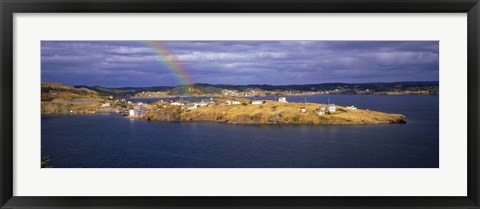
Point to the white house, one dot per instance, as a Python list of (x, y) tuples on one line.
[(332, 108), (131, 113), (303, 109), (282, 99), (351, 107), (228, 102), (257, 102), (207, 101), (106, 105), (191, 106), (235, 102), (176, 104)]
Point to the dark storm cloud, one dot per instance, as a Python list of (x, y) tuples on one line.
[(135, 63)]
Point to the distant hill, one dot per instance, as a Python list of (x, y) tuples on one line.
[(431, 87), (197, 89), (52, 91), (333, 86), (124, 91), (57, 98)]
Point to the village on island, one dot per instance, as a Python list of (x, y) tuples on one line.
[(139, 109), (226, 108)]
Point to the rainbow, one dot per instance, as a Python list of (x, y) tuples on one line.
[(171, 61)]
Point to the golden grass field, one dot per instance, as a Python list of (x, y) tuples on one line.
[(272, 112), (61, 99)]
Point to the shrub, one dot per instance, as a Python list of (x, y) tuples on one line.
[(296, 119), (45, 162)]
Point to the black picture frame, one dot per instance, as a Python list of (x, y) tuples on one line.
[(10, 7)]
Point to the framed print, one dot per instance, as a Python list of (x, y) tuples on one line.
[(265, 104)]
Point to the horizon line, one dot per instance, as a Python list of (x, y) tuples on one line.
[(247, 84)]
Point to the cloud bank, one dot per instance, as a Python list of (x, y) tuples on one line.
[(135, 63)]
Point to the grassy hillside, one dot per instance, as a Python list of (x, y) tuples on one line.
[(61, 99), (125, 91), (274, 113)]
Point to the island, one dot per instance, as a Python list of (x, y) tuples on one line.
[(273, 112), (62, 99)]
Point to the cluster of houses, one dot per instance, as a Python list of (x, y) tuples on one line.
[(246, 93), (139, 109), (331, 108), (234, 102), (202, 103), (194, 105), (209, 102)]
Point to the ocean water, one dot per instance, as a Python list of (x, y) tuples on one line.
[(112, 141)]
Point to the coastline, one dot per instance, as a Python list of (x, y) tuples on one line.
[(277, 113)]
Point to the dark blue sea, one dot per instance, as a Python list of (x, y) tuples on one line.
[(112, 141)]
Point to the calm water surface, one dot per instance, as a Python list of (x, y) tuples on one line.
[(111, 141)]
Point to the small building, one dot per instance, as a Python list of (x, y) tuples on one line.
[(176, 104), (106, 105), (282, 99), (256, 102), (207, 101), (235, 102), (321, 111), (332, 107), (131, 113), (303, 109), (228, 102), (351, 107), (191, 106)]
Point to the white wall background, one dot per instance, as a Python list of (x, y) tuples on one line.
[(448, 180)]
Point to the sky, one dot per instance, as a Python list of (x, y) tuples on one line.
[(172, 63)]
